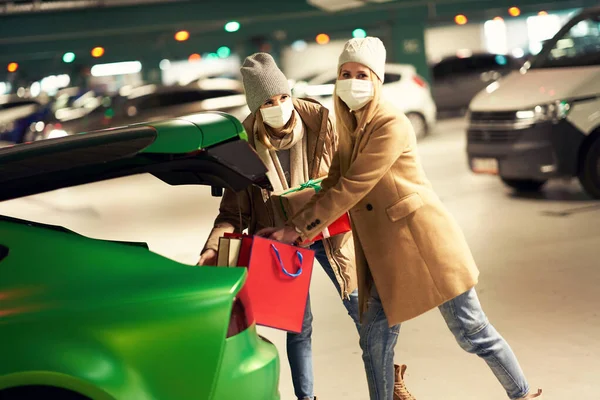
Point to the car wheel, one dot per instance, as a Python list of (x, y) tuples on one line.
[(589, 173), (524, 185), (419, 124)]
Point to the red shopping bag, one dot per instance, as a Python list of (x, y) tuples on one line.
[(278, 281)]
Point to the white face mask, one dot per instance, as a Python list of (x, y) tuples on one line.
[(277, 116), (356, 93)]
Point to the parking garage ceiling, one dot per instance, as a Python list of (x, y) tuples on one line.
[(39, 32), (35, 6)]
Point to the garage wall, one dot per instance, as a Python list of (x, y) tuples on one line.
[(447, 40), (312, 60), (439, 42)]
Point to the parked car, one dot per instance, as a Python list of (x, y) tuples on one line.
[(544, 122), (456, 80), (402, 87), (150, 103), (21, 119), (83, 318)]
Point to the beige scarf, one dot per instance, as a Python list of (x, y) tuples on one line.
[(296, 142)]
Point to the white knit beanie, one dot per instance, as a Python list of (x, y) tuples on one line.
[(368, 51), (262, 80)]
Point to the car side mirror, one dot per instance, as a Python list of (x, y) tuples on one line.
[(216, 191)]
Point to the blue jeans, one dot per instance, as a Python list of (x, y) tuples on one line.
[(299, 345), (470, 327)]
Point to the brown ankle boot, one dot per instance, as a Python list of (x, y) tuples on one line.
[(400, 390), (532, 395)]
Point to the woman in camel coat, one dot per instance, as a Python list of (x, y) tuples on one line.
[(411, 255)]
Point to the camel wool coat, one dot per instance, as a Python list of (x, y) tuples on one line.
[(406, 242)]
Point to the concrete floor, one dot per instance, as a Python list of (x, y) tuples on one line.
[(540, 272)]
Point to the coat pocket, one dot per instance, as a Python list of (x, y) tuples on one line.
[(404, 207)]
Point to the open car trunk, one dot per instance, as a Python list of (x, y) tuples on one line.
[(203, 149)]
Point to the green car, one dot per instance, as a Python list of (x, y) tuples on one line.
[(82, 318)]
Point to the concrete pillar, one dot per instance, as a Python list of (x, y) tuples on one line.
[(407, 45)]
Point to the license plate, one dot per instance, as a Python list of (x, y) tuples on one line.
[(485, 166)]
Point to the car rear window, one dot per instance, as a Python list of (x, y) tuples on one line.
[(391, 78), (470, 65)]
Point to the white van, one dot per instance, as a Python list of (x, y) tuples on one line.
[(544, 121)]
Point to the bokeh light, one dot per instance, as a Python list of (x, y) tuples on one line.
[(323, 38), (224, 52), (97, 52), (182, 36), (299, 45), (514, 11), (359, 33), (232, 26), (68, 57), (461, 19)]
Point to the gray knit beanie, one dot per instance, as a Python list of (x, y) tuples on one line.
[(262, 80), (368, 51)]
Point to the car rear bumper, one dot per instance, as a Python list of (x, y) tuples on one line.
[(541, 152), (250, 369)]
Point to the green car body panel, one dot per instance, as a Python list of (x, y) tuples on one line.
[(111, 320), (195, 132)]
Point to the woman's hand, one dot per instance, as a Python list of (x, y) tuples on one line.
[(267, 232), (286, 235), (209, 257)]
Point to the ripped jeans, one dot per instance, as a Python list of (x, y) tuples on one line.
[(471, 328)]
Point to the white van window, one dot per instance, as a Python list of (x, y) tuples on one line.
[(580, 46)]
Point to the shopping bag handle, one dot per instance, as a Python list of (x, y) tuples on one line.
[(285, 271)]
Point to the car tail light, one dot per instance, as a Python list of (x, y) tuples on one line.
[(420, 81), (241, 314)]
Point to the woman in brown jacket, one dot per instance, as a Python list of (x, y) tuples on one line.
[(411, 255), (296, 141)]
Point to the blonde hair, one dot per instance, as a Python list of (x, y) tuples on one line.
[(347, 124), (264, 131)]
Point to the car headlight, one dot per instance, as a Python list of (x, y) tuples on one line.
[(553, 112)]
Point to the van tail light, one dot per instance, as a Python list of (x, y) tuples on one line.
[(420, 81), (241, 314)]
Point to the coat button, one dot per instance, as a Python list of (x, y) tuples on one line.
[(369, 207), (314, 225), (318, 221), (308, 228)]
